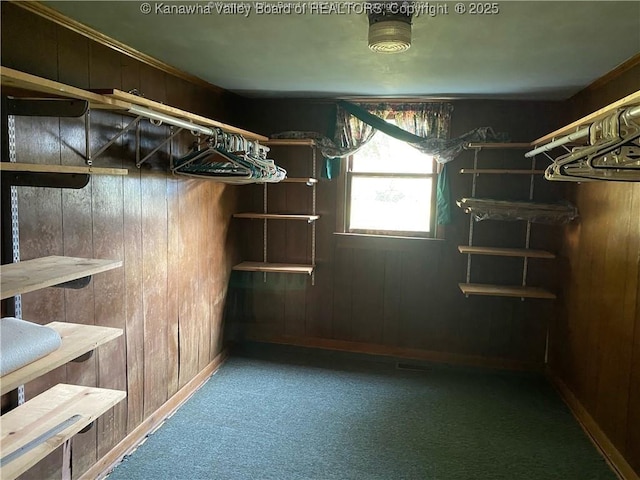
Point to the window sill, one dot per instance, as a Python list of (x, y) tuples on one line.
[(385, 242)]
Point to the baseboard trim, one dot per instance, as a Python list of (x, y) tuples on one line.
[(103, 466), (610, 453), (398, 352)]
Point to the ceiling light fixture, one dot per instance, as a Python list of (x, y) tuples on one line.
[(389, 27)]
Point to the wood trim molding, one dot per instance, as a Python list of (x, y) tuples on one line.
[(103, 466), (608, 77), (610, 453), (86, 31), (362, 241), (398, 352)]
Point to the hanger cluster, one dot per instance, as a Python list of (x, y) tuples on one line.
[(613, 152), (229, 158)]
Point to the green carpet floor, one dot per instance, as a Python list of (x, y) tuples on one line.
[(286, 413)]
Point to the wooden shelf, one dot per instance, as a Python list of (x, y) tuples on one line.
[(505, 252), (504, 291), (274, 267), (500, 171), (76, 340), (290, 142), (40, 168), (498, 145), (627, 101), (34, 418), (309, 181), (111, 99), (119, 95), (30, 275), (277, 216), (25, 81)]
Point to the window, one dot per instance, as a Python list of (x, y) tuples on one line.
[(390, 189)]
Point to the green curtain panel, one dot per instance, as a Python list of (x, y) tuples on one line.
[(443, 198), (424, 126)]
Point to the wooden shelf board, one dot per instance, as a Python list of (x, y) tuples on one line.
[(277, 216), (76, 340), (30, 275), (505, 252), (25, 81), (629, 100), (44, 412), (176, 112), (274, 267), (290, 142), (110, 99), (307, 180), (500, 171), (40, 168), (504, 291), (498, 145)]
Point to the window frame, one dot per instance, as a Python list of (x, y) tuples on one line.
[(345, 195)]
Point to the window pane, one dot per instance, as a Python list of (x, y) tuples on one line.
[(395, 204), (385, 154)]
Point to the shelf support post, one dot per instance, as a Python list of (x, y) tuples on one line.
[(527, 242), (474, 179), (313, 211), (91, 156), (15, 228), (87, 138), (264, 231)]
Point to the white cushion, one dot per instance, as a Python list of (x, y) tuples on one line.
[(23, 342)]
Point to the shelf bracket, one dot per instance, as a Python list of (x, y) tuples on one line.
[(76, 284), (88, 427), (46, 107), (84, 357), (42, 179), (87, 131), (150, 154)]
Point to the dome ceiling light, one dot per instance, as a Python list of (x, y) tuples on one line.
[(390, 27)]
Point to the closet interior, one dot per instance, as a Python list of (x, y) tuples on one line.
[(151, 223)]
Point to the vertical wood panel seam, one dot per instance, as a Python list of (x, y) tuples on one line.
[(635, 326), (634, 346), (166, 279)]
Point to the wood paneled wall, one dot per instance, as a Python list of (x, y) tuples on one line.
[(173, 234), (595, 344), (399, 296)]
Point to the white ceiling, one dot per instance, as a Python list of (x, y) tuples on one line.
[(529, 50)]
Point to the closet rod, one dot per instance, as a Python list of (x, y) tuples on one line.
[(582, 133), (169, 120)]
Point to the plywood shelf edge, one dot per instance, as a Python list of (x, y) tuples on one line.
[(32, 83), (308, 180), (500, 171), (277, 216), (40, 168), (31, 275), (77, 340), (290, 142), (505, 252), (505, 291), (497, 145), (111, 99), (274, 267), (135, 100), (44, 412), (629, 100)]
